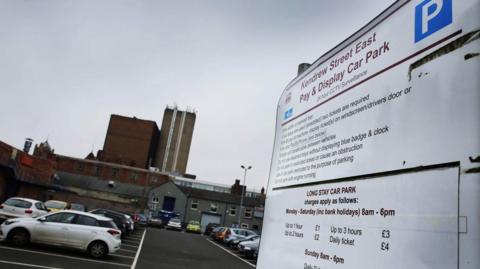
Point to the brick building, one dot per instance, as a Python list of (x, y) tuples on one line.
[(139, 143), (96, 184), (130, 141)]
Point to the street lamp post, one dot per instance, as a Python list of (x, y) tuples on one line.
[(243, 191)]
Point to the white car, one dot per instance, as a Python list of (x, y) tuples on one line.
[(17, 207), (174, 224), (95, 234)]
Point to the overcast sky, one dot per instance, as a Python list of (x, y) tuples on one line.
[(65, 66)]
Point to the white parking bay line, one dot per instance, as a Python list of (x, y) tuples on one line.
[(231, 253), (122, 256), (28, 265), (129, 245), (132, 241), (139, 249), (127, 250), (64, 256)]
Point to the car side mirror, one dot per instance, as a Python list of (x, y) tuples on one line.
[(42, 219)]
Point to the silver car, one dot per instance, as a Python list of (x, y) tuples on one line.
[(17, 207)]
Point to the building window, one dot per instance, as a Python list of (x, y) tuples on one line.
[(213, 207), (255, 227), (115, 172), (244, 225), (194, 205), (134, 175), (232, 211), (80, 167), (248, 213), (98, 170), (155, 199)]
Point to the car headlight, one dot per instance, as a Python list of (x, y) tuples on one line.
[(248, 248), (8, 222)]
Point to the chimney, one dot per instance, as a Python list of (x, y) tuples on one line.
[(302, 67), (27, 145), (236, 188)]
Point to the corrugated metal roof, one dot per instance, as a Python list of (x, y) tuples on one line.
[(95, 184)]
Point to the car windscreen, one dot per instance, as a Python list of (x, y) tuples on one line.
[(175, 220), (77, 207), (54, 204), (18, 203), (41, 206)]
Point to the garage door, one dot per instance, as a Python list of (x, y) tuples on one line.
[(209, 218)]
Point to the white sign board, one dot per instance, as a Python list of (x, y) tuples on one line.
[(400, 94), (366, 223)]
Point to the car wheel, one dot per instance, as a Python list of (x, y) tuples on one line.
[(19, 237), (98, 249)]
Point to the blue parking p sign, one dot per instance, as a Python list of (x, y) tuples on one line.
[(288, 113), (431, 16)]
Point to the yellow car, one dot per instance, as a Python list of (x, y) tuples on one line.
[(193, 227), (54, 205)]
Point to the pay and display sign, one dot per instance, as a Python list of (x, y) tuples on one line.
[(372, 143)]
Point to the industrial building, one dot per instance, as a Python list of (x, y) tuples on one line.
[(140, 143)]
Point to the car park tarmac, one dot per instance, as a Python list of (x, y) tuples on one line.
[(152, 248), (40, 256)]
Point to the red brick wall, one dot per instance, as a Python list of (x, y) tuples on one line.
[(33, 192), (3, 186), (128, 141)]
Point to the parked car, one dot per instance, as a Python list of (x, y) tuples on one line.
[(155, 222), (248, 238), (214, 232), (95, 234), (236, 233), (54, 205), (141, 219), (165, 215), (174, 224), (193, 226), (255, 254), (220, 234), (17, 207), (130, 223), (120, 219), (78, 207), (210, 228), (248, 248)]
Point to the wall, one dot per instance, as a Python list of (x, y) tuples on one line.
[(171, 190), (3, 186), (130, 141), (253, 221), (33, 192), (223, 209), (185, 140)]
